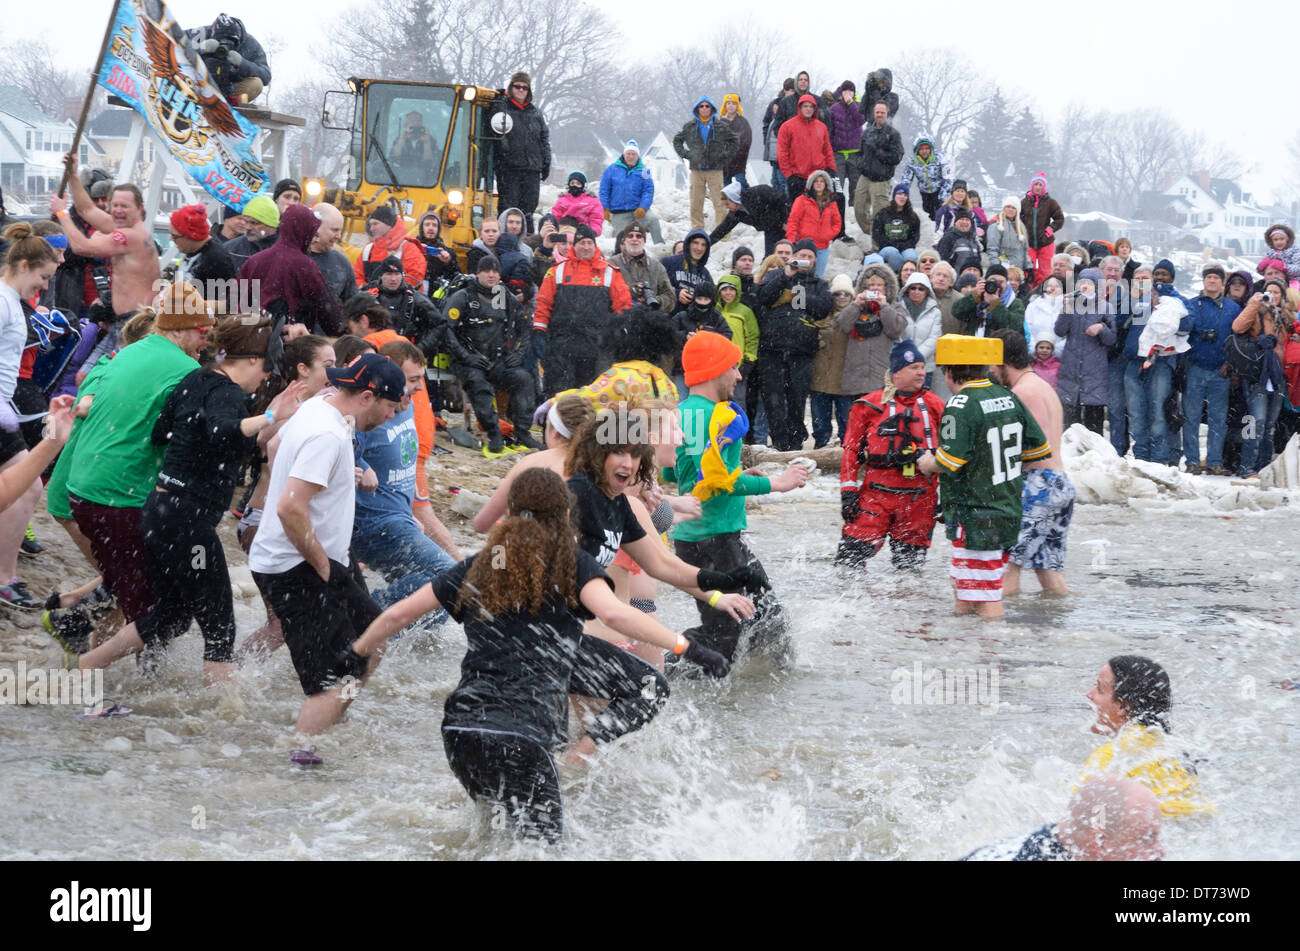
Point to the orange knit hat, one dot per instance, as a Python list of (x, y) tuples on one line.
[(708, 355)]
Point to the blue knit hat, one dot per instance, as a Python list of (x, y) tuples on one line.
[(900, 187), (579, 176), (904, 354), (1166, 265)]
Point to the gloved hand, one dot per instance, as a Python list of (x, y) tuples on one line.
[(639, 213), (607, 214), (234, 58), (348, 663), (714, 664), (208, 46), (514, 359), (1048, 231), (849, 510), (476, 361)]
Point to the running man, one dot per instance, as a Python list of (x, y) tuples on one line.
[(1048, 499), (985, 436), (300, 555)]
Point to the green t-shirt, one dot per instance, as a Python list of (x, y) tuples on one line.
[(56, 493), (985, 435), (116, 461), (725, 511)]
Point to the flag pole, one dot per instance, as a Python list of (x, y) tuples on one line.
[(90, 94)]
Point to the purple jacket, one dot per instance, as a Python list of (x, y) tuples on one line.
[(846, 126), (286, 273)]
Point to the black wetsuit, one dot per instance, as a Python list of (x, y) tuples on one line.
[(199, 424), (510, 709)]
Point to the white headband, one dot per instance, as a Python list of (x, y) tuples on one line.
[(553, 417)]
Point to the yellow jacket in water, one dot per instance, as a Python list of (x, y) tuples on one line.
[(1138, 753)]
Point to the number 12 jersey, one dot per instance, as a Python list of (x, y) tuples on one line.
[(984, 437)]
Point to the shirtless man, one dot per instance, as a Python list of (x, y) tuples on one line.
[(123, 235), (1048, 494)]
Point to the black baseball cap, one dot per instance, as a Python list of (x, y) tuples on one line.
[(371, 372)]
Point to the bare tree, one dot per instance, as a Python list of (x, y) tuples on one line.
[(568, 49), (1126, 154), (748, 62), (316, 150), (1198, 153), (32, 66), (943, 93)]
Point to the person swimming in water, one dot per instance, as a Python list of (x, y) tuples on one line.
[(1133, 700)]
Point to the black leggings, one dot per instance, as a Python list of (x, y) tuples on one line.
[(767, 628), (187, 566), (515, 774), (511, 773)]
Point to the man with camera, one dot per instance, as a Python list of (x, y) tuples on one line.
[(791, 300), (235, 61), (882, 492), (1211, 315), (1258, 355), (414, 147), (646, 278), (986, 310)]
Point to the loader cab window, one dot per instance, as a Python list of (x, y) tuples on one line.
[(407, 125)]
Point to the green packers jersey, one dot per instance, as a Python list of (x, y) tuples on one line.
[(985, 435)]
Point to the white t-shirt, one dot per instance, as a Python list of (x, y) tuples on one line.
[(316, 447), (13, 337)]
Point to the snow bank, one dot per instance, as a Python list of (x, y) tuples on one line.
[(1100, 476)]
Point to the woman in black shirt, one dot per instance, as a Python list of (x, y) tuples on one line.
[(207, 430), (523, 600)]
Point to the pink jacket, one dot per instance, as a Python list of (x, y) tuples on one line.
[(586, 208)]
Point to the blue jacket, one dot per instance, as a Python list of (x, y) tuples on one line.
[(626, 189), (1206, 314)]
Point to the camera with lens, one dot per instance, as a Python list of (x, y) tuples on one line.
[(103, 287), (801, 264), (647, 298), (1268, 297), (1209, 336), (993, 286)]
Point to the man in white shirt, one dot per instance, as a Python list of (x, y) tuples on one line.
[(300, 555)]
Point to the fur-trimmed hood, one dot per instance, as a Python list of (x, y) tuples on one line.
[(884, 271)]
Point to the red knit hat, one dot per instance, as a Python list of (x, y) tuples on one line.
[(191, 222), (708, 355)]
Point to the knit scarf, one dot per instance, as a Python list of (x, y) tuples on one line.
[(727, 424)]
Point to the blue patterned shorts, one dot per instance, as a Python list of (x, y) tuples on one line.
[(1048, 502)]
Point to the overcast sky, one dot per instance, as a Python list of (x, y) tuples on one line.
[(1210, 71)]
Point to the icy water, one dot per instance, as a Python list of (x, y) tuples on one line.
[(816, 763)]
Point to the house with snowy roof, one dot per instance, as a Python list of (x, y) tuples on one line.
[(1214, 211), (32, 145)]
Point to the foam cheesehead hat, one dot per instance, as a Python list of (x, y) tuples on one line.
[(961, 350), (708, 355)]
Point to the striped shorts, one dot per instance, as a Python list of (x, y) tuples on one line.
[(977, 574)]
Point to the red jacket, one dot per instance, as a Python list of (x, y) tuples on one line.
[(804, 145), (808, 221), (580, 273), (394, 243), (865, 448)]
